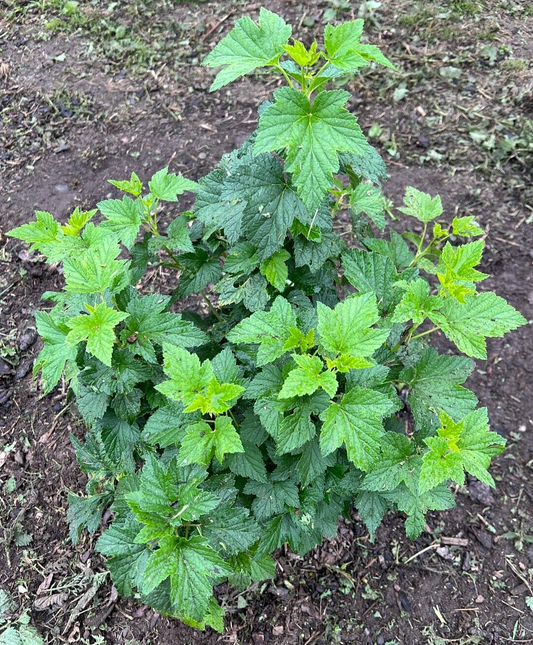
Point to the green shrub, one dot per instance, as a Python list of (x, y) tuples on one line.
[(217, 438)]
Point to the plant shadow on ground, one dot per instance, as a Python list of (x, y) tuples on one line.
[(95, 90)]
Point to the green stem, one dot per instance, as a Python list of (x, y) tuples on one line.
[(211, 307), (233, 417), (173, 257), (287, 77), (424, 333)]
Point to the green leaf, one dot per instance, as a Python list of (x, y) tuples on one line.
[(372, 507), (344, 49), (118, 438), (347, 328), (416, 303), (56, 355), (167, 186), (149, 323), (96, 270), (396, 249), (249, 46), (482, 316), (366, 163), (368, 200), (230, 529), (201, 268), (127, 561), (466, 227), (435, 384), (297, 427), (311, 464), (192, 566), (270, 329), (313, 254), (308, 377), (179, 238), (249, 464), (214, 210), (255, 294), (272, 497), (415, 504), (85, 513), (369, 272), (456, 271), (396, 464), (166, 426), (41, 233), (123, 218), (356, 422), (275, 269), (467, 445), (420, 205), (98, 329), (269, 203), (133, 185), (311, 135), (201, 442)]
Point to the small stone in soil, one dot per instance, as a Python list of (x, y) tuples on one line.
[(480, 493), (27, 339), (23, 369)]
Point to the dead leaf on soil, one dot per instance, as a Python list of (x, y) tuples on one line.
[(44, 602)]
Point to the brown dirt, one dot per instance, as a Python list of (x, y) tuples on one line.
[(57, 152)]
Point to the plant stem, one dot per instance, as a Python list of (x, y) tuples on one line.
[(424, 333), (287, 77), (234, 419), (211, 307)]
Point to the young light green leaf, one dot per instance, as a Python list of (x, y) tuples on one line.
[(308, 377), (123, 217), (467, 445), (56, 354), (98, 329), (344, 49), (466, 227), (420, 205), (167, 186), (416, 303), (248, 46), (368, 200), (97, 270), (133, 185), (347, 328), (270, 329), (483, 316)]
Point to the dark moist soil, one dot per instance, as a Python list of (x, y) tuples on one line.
[(75, 114)]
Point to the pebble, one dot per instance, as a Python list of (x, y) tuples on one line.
[(5, 368), (27, 339), (61, 188), (480, 493), (23, 369)]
